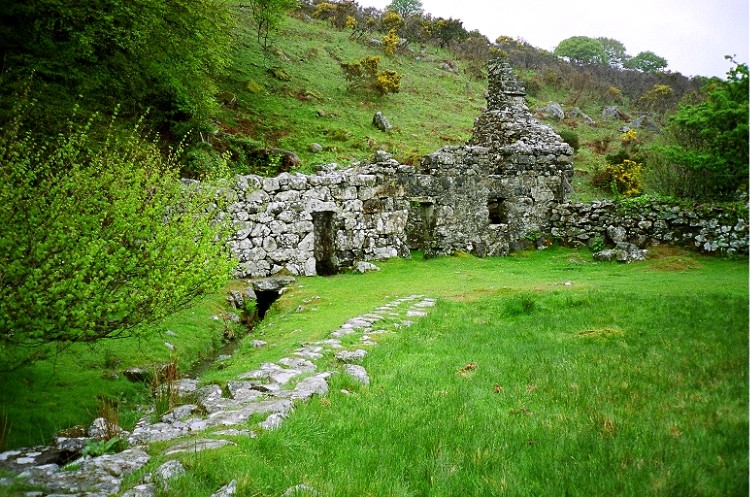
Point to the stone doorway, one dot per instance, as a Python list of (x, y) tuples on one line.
[(325, 243)]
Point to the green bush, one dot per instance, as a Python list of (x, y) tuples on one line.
[(706, 143), (161, 55), (570, 138), (98, 237), (366, 74)]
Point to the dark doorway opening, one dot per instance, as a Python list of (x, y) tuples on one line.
[(325, 246)]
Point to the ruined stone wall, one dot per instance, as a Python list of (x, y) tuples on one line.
[(708, 228), (316, 224), (513, 172), (508, 185), (448, 201)]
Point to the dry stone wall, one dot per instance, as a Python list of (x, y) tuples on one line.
[(709, 228), (315, 224)]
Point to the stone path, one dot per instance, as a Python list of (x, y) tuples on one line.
[(271, 391)]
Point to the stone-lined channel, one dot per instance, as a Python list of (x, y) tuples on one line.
[(213, 417)]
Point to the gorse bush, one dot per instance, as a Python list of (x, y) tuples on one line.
[(623, 179), (339, 14), (390, 42), (366, 74), (99, 236)]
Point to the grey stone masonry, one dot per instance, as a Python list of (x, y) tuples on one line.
[(709, 228), (507, 189), (316, 224), (487, 197)]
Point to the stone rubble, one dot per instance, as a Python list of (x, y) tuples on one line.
[(270, 390)]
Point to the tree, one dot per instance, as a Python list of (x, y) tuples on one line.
[(97, 239), (647, 62), (406, 8), (268, 15), (616, 54), (582, 50), (157, 54), (706, 149), (448, 30)]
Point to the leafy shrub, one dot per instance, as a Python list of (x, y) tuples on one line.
[(163, 55), (366, 74), (621, 179), (629, 138), (390, 42), (659, 98), (96, 448), (391, 21), (706, 143), (614, 94), (597, 244), (571, 138), (99, 236), (338, 13)]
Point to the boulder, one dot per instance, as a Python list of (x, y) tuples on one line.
[(365, 267), (553, 111), (644, 122), (576, 112), (227, 490), (449, 66), (273, 283), (358, 373), (381, 122), (351, 356), (612, 112), (623, 252), (170, 470)]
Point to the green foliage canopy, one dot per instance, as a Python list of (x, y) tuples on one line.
[(406, 8), (708, 141), (97, 239), (449, 30), (616, 53), (268, 14), (162, 54), (647, 62), (582, 50)]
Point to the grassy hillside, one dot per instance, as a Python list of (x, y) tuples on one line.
[(295, 94), (434, 107)]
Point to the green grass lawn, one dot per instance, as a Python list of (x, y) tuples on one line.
[(543, 373), (71, 388)]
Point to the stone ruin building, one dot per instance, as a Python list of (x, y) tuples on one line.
[(485, 198), (495, 193), (506, 189)]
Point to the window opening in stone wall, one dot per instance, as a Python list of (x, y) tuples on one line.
[(325, 249), (498, 210)]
